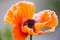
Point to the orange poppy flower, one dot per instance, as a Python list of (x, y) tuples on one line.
[(21, 16)]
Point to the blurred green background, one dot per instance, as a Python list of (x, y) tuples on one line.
[(5, 29)]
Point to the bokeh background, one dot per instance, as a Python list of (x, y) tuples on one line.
[(5, 29)]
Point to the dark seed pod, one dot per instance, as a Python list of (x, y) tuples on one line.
[(30, 23)]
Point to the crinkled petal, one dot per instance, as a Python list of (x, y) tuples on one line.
[(42, 17), (9, 15), (27, 9), (25, 29), (39, 27), (18, 34), (20, 12), (54, 20), (49, 18)]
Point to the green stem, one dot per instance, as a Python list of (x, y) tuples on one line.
[(30, 37)]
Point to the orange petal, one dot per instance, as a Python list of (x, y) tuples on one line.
[(9, 16), (27, 9), (41, 33), (25, 29), (39, 27), (18, 34), (50, 30), (13, 8), (49, 18), (42, 16), (17, 16), (54, 20), (45, 16), (20, 12)]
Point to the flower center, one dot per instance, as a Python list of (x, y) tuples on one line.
[(30, 23)]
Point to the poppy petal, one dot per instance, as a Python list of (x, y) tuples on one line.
[(9, 15), (13, 8), (49, 18), (52, 23), (41, 33), (50, 30), (39, 27), (21, 11), (25, 29), (27, 9), (54, 20), (42, 17), (18, 17), (18, 34)]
